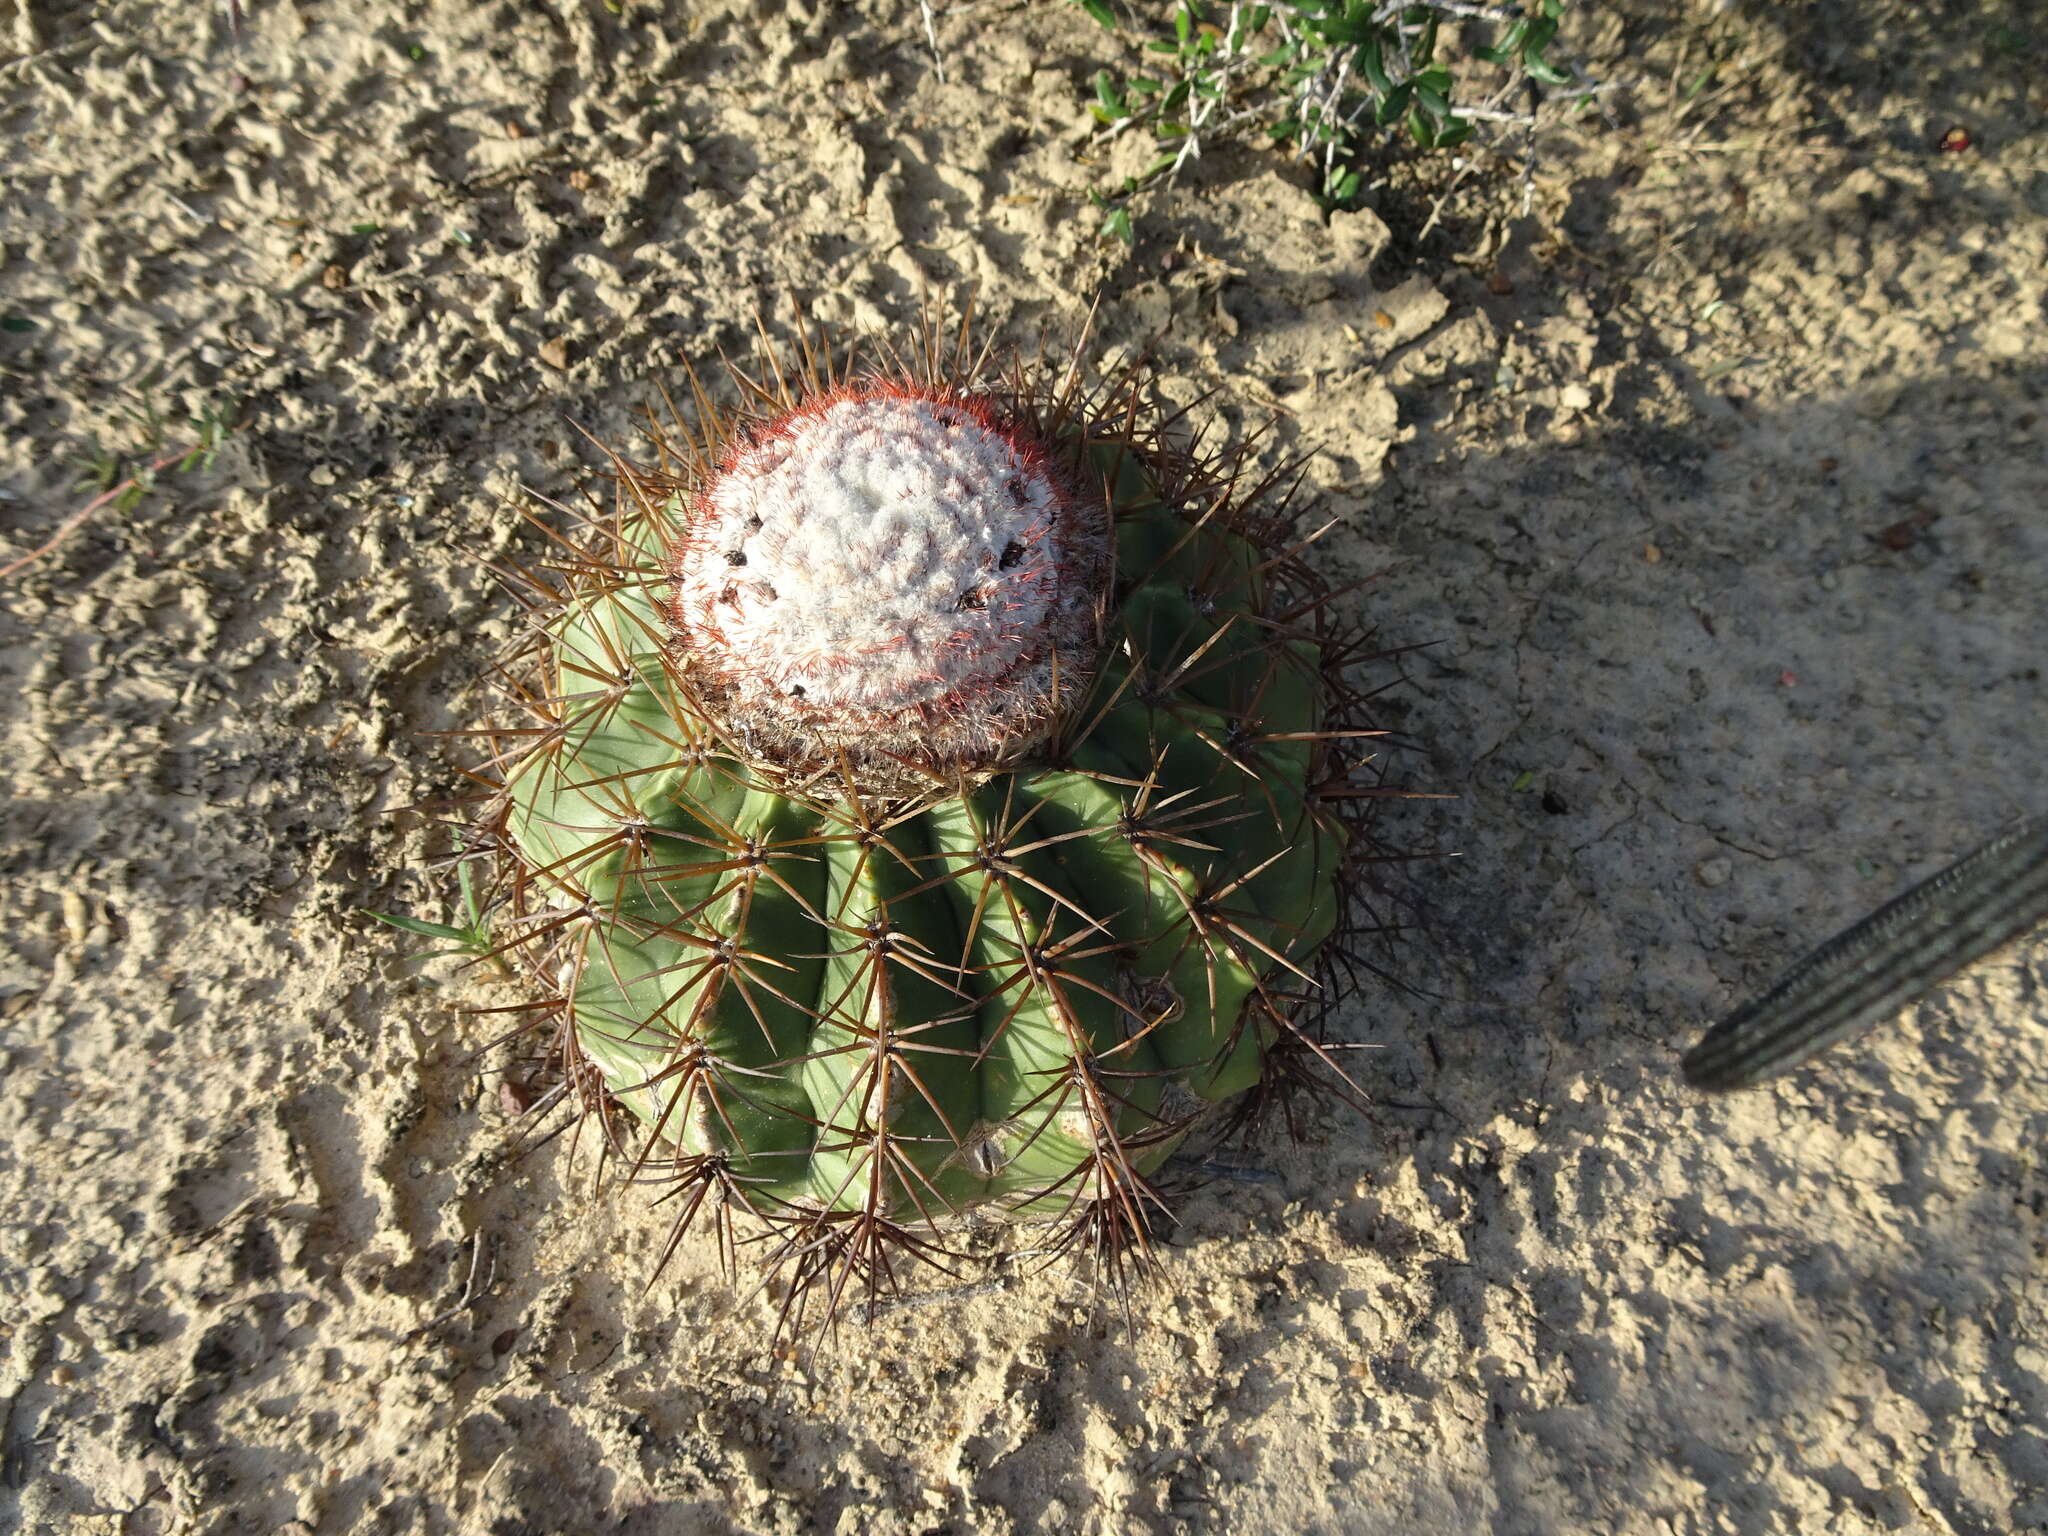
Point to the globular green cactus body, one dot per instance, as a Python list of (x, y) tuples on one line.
[(890, 987)]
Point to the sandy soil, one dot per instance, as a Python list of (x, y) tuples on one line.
[(1717, 483)]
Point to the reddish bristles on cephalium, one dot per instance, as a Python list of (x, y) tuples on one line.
[(932, 786), (893, 572)]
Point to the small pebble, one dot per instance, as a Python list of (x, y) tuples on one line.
[(1713, 872), (77, 917)]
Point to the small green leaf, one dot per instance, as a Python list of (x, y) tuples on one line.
[(1510, 42), (1523, 780), (1119, 224), (364, 229), (425, 929), (1099, 9), (1533, 62), (1337, 30), (1424, 47), (1111, 98), (16, 324), (1542, 69), (465, 880), (1374, 67), (96, 472)]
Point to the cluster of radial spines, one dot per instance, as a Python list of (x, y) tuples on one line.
[(707, 1048)]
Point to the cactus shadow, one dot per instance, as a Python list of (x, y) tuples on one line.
[(1669, 789)]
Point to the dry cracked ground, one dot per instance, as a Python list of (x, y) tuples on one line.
[(1705, 465)]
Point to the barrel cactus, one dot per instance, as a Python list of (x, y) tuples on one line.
[(932, 787)]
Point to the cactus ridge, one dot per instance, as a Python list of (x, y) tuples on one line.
[(853, 988)]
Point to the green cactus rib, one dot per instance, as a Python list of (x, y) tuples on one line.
[(992, 995)]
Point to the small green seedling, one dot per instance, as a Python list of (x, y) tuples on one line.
[(109, 472), (471, 938), (1326, 79), (102, 470)]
